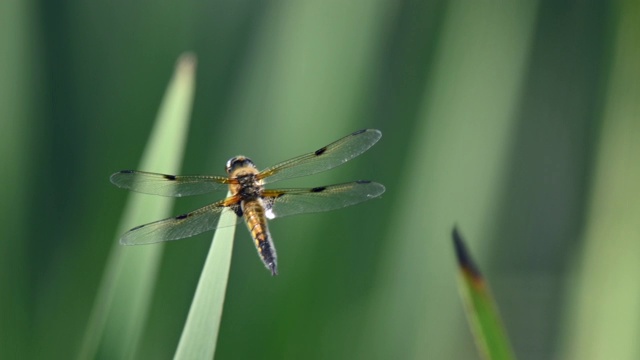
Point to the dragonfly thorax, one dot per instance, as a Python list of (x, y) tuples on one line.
[(249, 187)]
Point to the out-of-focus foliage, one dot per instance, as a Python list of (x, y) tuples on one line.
[(123, 300), (519, 122)]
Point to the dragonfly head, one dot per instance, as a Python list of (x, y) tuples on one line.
[(237, 162)]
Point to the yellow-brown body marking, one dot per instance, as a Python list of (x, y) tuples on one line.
[(249, 190), (255, 217)]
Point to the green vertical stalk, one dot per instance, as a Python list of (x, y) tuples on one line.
[(604, 316), (124, 296), (200, 333)]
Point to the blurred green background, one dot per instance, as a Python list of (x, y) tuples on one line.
[(519, 122)]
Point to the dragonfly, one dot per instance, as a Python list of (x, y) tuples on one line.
[(249, 199)]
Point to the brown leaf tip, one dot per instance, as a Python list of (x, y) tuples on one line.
[(464, 257)]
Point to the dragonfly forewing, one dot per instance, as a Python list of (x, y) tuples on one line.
[(325, 158), (169, 185)]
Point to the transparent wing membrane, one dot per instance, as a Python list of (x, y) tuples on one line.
[(323, 159), (168, 185), (286, 202), (177, 227)]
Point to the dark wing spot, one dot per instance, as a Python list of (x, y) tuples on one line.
[(318, 189), (363, 182), (127, 172), (321, 151), (236, 209), (359, 132), (138, 227), (183, 216), (169, 177)]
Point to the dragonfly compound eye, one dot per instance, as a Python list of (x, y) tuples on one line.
[(238, 161)]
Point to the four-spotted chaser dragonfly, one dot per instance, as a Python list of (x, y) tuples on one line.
[(249, 199)]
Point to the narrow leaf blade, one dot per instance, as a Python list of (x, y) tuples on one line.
[(200, 333), (123, 300), (482, 313)]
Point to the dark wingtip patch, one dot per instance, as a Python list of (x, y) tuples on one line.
[(237, 209), (363, 182), (169, 177), (321, 151), (359, 132), (183, 216), (126, 172), (138, 227), (318, 189)]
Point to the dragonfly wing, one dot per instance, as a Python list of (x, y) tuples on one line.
[(285, 202), (324, 158), (168, 185), (178, 227)]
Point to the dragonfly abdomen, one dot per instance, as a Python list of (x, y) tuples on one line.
[(254, 215)]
